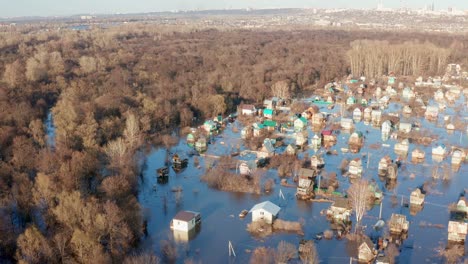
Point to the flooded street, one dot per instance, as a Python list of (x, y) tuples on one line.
[(219, 210)]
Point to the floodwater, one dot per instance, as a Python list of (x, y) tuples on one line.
[(50, 129), (219, 210)]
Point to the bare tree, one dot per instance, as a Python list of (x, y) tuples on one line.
[(285, 252), (359, 195), (309, 254)]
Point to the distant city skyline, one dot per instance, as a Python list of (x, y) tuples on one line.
[(19, 8)]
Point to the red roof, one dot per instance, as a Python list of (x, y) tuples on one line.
[(327, 132)]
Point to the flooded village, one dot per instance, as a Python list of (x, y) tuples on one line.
[(365, 170)]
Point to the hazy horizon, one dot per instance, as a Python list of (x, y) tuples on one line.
[(21, 8)]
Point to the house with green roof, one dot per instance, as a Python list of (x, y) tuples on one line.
[(300, 124), (270, 125), (268, 113)]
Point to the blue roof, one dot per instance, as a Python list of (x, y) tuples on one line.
[(267, 206)]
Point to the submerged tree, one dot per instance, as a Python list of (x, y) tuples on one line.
[(359, 195)]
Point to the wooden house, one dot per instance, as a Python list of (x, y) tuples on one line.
[(357, 114), (185, 221), (258, 129), (417, 155), (457, 231), (392, 171), (265, 211), (268, 113), (328, 138), (402, 147), (300, 123), (398, 224), (355, 168), (384, 163), (366, 250), (301, 139), (405, 127), (347, 123), (316, 142), (248, 109), (356, 140), (417, 197), (340, 210), (376, 117), (317, 161)]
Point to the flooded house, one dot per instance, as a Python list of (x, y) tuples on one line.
[(258, 129), (248, 109), (458, 156), (408, 93), (457, 231), (384, 163), (462, 205), (185, 221), (386, 127), (417, 197), (265, 211), (418, 155), (347, 123), (318, 119), (367, 114), (407, 110), (376, 117), (291, 150), (357, 114), (392, 171), (401, 148), (210, 126), (268, 113), (439, 95), (340, 210), (300, 123), (439, 150), (398, 224), (190, 138), (355, 168), (315, 142), (305, 187), (301, 138), (268, 149), (247, 167), (328, 138), (317, 161), (270, 125), (201, 144), (366, 250), (356, 140), (384, 101), (405, 127), (246, 132), (432, 113), (351, 100)]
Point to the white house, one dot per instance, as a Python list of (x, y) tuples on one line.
[(405, 127), (347, 123), (300, 124), (248, 109), (357, 114), (266, 211), (386, 127), (185, 221)]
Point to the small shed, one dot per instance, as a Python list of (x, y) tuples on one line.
[(265, 211), (417, 197), (185, 221), (398, 224), (457, 231)]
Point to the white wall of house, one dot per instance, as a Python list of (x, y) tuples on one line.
[(261, 214), (180, 225)]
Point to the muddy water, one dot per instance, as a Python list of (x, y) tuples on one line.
[(221, 224)]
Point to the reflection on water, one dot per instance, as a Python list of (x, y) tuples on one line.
[(50, 130), (220, 210)]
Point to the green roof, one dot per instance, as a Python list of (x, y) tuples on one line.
[(269, 123), (268, 111), (303, 119)]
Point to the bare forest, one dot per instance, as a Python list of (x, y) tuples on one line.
[(112, 91)]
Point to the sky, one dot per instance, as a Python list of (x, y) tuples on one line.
[(16, 8)]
